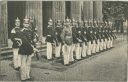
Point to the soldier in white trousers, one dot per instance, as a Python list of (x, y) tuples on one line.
[(26, 50), (15, 34), (50, 40), (67, 41), (84, 38), (89, 42), (79, 40), (58, 40)]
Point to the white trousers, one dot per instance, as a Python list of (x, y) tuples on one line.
[(98, 46), (94, 47), (89, 47), (78, 51), (108, 43), (111, 43), (16, 58), (49, 50), (72, 54), (84, 50), (58, 50), (101, 44), (105, 44), (66, 53), (25, 67)]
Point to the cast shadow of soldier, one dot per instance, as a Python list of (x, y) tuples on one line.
[(56, 64)]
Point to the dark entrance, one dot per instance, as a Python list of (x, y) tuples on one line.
[(47, 13), (68, 9), (15, 9)]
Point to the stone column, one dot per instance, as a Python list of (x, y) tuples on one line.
[(34, 8), (3, 24), (76, 10), (87, 9), (58, 10), (97, 10)]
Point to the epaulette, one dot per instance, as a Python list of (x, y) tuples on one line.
[(13, 30)]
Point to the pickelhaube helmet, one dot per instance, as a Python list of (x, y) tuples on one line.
[(67, 20), (58, 23), (17, 20), (26, 20), (50, 22)]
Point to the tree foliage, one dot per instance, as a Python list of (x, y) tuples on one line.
[(115, 10)]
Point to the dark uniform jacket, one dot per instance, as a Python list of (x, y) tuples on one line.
[(90, 35), (79, 35), (112, 34), (58, 31), (74, 34), (50, 34), (15, 33), (84, 36), (27, 42)]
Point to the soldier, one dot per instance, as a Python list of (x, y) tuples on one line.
[(74, 24), (84, 39), (79, 40), (34, 30), (92, 34), (26, 50), (89, 39), (113, 36), (97, 35), (50, 39), (105, 37), (67, 41), (58, 31), (101, 36), (15, 37), (109, 36)]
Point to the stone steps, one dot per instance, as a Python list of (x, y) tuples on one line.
[(7, 52)]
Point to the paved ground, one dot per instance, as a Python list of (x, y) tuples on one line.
[(106, 66)]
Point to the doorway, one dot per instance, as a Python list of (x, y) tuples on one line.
[(68, 9), (15, 9), (47, 13)]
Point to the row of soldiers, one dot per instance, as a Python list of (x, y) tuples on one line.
[(74, 40)]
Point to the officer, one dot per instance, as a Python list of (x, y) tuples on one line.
[(50, 39), (58, 40), (67, 41), (26, 50), (15, 37)]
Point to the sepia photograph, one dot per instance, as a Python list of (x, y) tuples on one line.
[(60, 40)]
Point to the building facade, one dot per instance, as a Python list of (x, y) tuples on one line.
[(42, 11)]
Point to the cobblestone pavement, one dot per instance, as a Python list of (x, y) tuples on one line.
[(110, 65)]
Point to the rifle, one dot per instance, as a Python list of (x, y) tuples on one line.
[(55, 36)]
